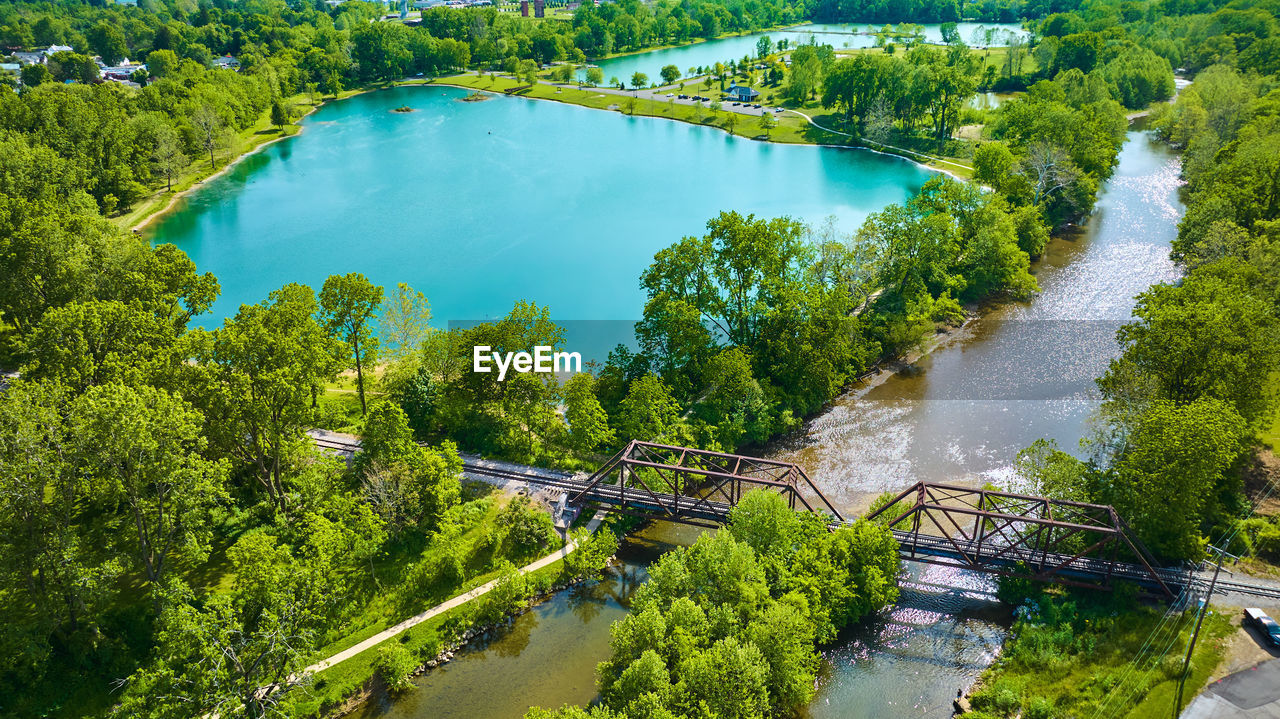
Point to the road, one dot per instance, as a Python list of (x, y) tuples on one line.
[(1253, 693)]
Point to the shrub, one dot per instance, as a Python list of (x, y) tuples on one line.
[(591, 556), (396, 666), (1266, 543), (1039, 708), (529, 530)]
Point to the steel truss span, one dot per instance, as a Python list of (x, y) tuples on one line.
[(1002, 533), (1049, 540), (695, 485)]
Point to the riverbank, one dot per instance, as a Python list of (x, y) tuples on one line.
[(1083, 654), (343, 681)]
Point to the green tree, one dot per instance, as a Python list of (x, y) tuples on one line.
[(349, 304), (1206, 338), (232, 653), (764, 47), (254, 380), (142, 448), (639, 80), (588, 423), (729, 680), (52, 566), (670, 73), (1168, 480), (162, 63), (648, 412), (209, 130), (279, 115), (34, 75), (405, 322), (767, 122), (595, 76), (107, 40), (167, 158), (381, 50)]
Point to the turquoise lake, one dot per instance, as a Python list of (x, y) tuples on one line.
[(481, 204), (839, 36)]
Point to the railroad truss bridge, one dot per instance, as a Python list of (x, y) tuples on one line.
[(1002, 533)]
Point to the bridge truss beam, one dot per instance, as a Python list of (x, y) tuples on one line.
[(1011, 534), (692, 485)]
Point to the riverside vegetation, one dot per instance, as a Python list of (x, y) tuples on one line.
[(162, 507)]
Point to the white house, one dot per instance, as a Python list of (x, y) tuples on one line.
[(742, 93)]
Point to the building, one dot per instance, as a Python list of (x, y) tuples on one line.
[(226, 63), (524, 8), (539, 8), (29, 58), (742, 93)]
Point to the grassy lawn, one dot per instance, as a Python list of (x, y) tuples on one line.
[(791, 128)]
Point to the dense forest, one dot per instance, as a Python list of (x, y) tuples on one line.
[(163, 507)]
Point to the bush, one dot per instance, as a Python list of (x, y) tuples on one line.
[(1039, 708), (999, 699), (591, 556), (1266, 543), (396, 666), (529, 530)]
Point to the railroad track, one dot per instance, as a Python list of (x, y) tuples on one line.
[(606, 494)]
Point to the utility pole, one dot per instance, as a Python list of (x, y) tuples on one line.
[(1195, 634)]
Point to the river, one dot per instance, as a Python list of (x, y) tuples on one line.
[(1024, 371)]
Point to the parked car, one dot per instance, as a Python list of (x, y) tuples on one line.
[(683, 97), (1268, 626), (756, 106)]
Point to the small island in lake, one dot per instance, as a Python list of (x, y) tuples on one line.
[(402, 108)]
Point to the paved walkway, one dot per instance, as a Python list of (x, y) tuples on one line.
[(439, 609)]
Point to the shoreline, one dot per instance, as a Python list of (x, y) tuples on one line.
[(950, 173), (149, 218), (168, 207), (155, 215)]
